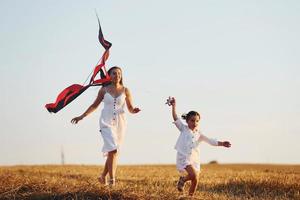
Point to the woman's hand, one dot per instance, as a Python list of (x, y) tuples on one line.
[(75, 120), (136, 110)]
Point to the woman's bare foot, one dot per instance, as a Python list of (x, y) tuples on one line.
[(112, 182), (102, 180)]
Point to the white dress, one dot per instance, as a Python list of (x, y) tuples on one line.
[(113, 122)]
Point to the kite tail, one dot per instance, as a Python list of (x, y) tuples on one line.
[(100, 68), (66, 97)]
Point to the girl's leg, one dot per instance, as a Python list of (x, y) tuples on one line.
[(193, 176)]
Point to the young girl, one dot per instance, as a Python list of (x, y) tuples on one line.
[(187, 147), (112, 120)]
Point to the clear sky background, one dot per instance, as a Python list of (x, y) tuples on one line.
[(236, 62)]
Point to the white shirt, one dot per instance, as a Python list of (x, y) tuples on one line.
[(189, 140)]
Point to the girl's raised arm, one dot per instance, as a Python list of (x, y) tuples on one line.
[(173, 103)]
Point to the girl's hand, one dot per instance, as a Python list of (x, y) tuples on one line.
[(226, 144), (171, 101), (75, 120), (136, 110)]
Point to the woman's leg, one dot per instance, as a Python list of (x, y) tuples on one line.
[(193, 176), (102, 178), (111, 164), (109, 167), (115, 161)]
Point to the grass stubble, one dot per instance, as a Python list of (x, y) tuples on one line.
[(222, 182)]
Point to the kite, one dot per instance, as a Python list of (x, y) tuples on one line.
[(73, 91)]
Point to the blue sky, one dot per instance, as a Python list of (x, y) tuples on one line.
[(236, 62)]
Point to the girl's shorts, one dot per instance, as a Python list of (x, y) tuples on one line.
[(182, 161)]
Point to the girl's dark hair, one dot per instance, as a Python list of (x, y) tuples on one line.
[(109, 72), (189, 115)]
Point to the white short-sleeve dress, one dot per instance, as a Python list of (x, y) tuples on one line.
[(113, 122)]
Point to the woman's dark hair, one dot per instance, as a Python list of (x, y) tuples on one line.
[(189, 115), (109, 73)]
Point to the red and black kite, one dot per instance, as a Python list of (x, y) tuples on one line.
[(73, 91)]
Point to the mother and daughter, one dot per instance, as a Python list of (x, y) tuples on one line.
[(113, 126)]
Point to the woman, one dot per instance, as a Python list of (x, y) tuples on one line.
[(112, 121)]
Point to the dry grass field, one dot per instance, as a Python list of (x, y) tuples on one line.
[(216, 181)]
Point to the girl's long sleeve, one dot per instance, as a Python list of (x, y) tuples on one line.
[(210, 141)]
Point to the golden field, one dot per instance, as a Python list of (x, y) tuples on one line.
[(220, 182)]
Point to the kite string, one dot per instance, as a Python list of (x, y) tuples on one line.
[(92, 71)]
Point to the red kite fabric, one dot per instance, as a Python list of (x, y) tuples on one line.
[(73, 91)]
